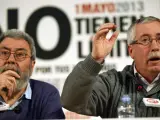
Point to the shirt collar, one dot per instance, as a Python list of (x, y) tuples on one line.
[(28, 92)]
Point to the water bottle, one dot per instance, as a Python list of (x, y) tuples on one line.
[(126, 109)]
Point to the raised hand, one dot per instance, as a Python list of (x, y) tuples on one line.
[(8, 82), (101, 46)]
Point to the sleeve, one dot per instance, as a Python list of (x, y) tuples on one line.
[(52, 108), (84, 91)]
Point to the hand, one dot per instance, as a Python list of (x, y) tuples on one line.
[(101, 46), (8, 82)]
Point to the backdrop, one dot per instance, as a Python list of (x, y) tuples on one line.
[(62, 30)]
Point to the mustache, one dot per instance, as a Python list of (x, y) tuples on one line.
[(154, 55), (12, 67)]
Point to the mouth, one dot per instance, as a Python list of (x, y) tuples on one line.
[(154, 59)]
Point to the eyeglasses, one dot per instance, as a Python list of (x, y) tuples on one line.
[(19, 55), (146, 40)]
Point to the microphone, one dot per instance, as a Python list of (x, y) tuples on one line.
[(17, 109), (139, 87)]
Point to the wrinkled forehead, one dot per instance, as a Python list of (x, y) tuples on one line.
[(150, 28), (13, 44)]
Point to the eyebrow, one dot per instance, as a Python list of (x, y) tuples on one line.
[(149, 34), (145, 35), (3, 47), (21, 49)]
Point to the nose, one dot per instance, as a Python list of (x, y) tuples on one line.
[(11, 57), (155, 46)]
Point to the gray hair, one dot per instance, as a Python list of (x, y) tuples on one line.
[(17, 34), (131, 31)]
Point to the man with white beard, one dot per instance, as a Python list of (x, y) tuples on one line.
[(21, 97)]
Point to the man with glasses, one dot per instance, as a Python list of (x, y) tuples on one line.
[(21, 97), (88, 92)]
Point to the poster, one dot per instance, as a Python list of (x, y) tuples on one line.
[(62, 30)]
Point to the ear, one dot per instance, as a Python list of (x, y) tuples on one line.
[(130, 51), (33, 63)]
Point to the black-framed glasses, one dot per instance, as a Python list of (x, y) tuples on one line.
[(19, 55), (146, 40)]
